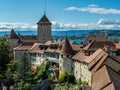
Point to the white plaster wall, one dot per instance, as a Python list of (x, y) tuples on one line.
[(81, 71), (65, 64)]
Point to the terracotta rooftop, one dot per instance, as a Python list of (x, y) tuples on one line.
[(66, 48), (99, 53), (24, 46), (48, 43), (106, 79), (38, 48), (80, 56), (96, 37), (13, 35), (97, 59), (117, 45), (93, 46), (44, 19), (29, 38), (75, 47)]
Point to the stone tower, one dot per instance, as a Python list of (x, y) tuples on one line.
[(44, 30), (65, 62), (13, 40)]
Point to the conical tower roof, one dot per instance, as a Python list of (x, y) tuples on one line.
[(66, 48), (13, 35), (44, 19)]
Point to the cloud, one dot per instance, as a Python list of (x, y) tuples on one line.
[(100, 25), (108, 22), (92, 8), (16, 26)]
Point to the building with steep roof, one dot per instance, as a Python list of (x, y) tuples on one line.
[(21, 49), (44, 30), (106, 78), (65, 56), (44, 35), (13, 35), (104, 68), (95, 37), (99, 58), (80, 68), (108, 46), (13, 40)]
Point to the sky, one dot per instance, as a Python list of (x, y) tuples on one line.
[(64, 14)]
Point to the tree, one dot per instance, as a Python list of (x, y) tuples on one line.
[(40, 72), (24, 68), (4, 54)]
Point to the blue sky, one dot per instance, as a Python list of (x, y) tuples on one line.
[(64, 14)]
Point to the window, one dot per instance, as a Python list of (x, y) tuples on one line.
[(119, 71), (76, 72), (67, 56), (34, 55), (60, 68)]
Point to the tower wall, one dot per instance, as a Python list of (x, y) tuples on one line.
[(44, 33)]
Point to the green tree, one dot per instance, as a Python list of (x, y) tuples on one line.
[(10, 73), (40, 72), (24, 68), (4, 54)]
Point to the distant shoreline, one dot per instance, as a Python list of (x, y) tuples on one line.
[(76, 36)]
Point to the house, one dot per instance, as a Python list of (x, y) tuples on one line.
[(21, 49), (108, 46), (66, 53), (104, 68), (26, 42), (106, 78), (95, 37), (80, 68), (36, 53), (13, 40), (44, 30)]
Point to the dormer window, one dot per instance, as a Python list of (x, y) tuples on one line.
[(67, 56)]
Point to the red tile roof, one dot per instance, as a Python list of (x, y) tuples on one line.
[(66, 48), (117, 45), (95, 37), (25, 46), (106, 79), (97, 59), (80, 56), (31, 38), (93, 46), (38, 48)]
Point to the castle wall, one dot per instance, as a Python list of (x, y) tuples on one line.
[(65, 64), (80, 70), (44, 33), (18, 54), (13, 43), (37, 59)]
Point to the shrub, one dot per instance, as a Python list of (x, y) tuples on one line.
[(84, 83), (70, 78), (63, 77), (27, 86), (80, 81)]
